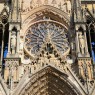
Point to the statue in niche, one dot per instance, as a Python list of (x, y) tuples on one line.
[(68, 5), (81, 43), (13, 42)]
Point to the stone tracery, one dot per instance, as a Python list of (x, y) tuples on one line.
[(46, 33), (64, 5)]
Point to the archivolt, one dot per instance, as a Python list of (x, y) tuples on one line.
[(48, 8), (48, 81)]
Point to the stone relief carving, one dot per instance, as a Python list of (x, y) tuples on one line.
[(61, 4)]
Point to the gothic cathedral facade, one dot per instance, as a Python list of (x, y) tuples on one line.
[(47, 47)]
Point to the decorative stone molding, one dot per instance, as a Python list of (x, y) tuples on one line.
[(62, 5)]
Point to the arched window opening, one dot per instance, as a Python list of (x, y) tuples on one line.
[(1, 27), (81, 29), (91, 40), (6, 37), (92, 34)]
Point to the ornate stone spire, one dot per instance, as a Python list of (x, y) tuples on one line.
[(15, 11), (78, 10)]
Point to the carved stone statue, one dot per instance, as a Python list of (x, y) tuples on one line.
[(21, 45), (68, 5), (13, 42), (81, 43)]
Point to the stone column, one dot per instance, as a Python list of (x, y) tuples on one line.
[(18, 40), (77, 43), (17, 73), (6, 74), (86, 46), (9, 42), (14, 73), (2, 48), (89, 69)]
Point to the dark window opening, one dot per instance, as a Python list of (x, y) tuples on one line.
[(0, 42), (6, 37), (5, 45), (92, 34)]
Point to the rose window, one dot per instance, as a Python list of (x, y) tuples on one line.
[(44, 32)]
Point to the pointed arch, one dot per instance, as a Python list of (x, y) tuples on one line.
[(49, 11), (47, 81), (47, 8)]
